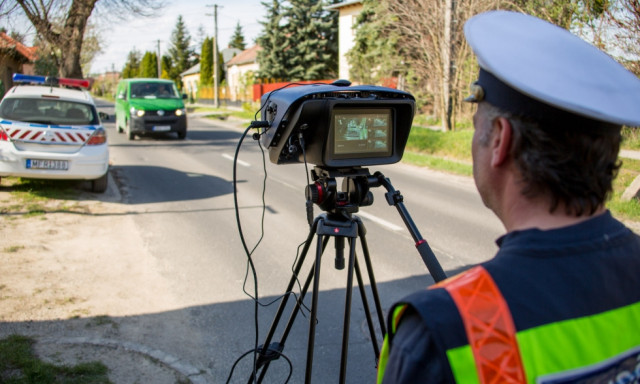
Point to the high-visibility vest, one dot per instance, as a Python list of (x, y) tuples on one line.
[(496, 352)]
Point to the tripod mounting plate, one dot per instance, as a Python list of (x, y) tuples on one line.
[(336, 226)]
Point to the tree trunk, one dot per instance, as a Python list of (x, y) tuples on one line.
[(69, 40), (72, 36)]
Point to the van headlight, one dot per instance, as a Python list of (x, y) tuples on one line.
[(180, 112), (137, 112)]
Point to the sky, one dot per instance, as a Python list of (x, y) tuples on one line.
[(143, 33), (120, 37)]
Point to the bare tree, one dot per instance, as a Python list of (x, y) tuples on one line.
[(625, 15), (434, 44), (427, 45), (62, 23)]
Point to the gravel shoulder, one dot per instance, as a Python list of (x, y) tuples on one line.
[(68, 277)]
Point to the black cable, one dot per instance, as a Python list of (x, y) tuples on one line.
[(250, 265), (254, 351), (249, 253), (244, 245)]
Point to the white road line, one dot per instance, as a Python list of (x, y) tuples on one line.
[(287, 184), (229, 157), (380, 221)]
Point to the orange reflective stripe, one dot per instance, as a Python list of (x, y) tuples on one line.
[(488, 325)]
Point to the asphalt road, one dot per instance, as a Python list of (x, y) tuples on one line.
[(181, 194)]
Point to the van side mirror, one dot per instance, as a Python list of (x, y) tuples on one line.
[(184, 96), (121, 96)]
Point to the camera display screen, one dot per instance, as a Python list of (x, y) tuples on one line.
[(361, 133)]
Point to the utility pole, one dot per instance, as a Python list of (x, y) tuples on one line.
[(159, 60), (215, 55), (446, 66)]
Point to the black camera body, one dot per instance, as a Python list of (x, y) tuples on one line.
[(336, 125)]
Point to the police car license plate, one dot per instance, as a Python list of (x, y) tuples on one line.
[(161, 128), (61, 165)]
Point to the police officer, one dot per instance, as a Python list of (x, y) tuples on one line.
[(560, 301)]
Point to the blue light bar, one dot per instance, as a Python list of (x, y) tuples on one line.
[(21, 78), (50, 80)]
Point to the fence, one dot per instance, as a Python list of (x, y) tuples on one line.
[(261, 89), (254, 92)]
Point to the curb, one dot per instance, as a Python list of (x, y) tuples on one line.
[(633, 190), (193, 374)]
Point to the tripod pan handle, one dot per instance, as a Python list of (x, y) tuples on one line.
[(430, 261)]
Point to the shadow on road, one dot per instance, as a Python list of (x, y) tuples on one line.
[(208, 339), (170, 184)]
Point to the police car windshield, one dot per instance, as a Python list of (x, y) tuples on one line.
[(48, 111), (153, 91)]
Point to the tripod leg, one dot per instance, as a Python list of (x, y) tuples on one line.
[(372, 280), (303, 293), (314, 310), (262, 358), (347, 311), (367, 312), (293, 315)]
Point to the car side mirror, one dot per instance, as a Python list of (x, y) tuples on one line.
[(103, 116)]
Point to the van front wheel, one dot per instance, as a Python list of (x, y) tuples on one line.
[(118, 125), (129, 132)]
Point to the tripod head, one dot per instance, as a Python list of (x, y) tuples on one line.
[(355, 189)]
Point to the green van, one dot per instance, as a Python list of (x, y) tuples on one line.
[(148, 106)]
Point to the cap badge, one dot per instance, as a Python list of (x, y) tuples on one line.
[(477, 93)]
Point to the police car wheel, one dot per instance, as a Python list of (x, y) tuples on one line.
[(99, 185)]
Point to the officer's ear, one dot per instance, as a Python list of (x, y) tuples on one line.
[(500, 141)]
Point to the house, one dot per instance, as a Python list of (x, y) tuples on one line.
[(240, 71), (190, 81), (349, 11), (191, 77), (15, 57)]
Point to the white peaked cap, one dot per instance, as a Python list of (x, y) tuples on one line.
[(549, 64)]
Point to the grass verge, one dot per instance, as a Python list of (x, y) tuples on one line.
[(19, 364), (451, 152), (247, 112), (34, 197)]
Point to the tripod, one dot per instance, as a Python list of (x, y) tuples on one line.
[(339, 223)]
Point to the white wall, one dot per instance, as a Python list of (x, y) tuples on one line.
[(347, 34)]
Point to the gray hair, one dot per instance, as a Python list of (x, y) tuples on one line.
[(572, 165)]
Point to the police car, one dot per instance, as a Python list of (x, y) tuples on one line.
[(50, 129)]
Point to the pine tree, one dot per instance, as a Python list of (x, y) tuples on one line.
[(312, 40), (221, 68), (132, 66), (166, 64), (237, 39), (149, 65), (179, 51), (206, 62), (272, 58), (300, 41)]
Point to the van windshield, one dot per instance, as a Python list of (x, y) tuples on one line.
[(153, 91)]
